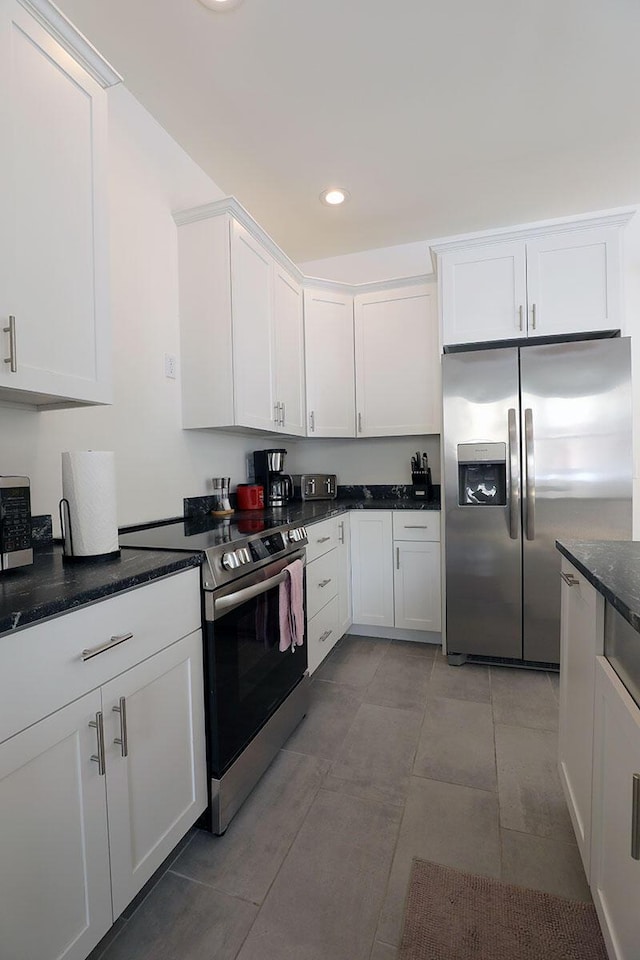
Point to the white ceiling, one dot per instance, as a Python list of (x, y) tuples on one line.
[(439, 116)]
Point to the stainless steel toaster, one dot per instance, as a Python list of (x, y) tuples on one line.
[(315, 486)]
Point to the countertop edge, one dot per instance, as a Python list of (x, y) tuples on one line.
[(608, 592)]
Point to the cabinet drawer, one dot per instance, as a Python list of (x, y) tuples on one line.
[(323, 632), (42, 667), (416, 524), (322, 582), (322, 537)]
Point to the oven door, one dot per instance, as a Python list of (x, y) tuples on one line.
[(247, 676)]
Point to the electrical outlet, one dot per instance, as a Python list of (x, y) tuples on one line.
[(170, 366)]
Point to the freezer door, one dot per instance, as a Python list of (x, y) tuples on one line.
[(481, 501), (577, 467)]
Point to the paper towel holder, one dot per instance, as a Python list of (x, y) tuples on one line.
[(67, 538)]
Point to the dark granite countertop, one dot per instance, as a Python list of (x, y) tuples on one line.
[(613, 568), (312, 511), (49, 587)]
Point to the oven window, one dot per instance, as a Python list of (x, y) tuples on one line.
[(248, 675)]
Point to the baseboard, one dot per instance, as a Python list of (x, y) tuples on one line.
[(395, 633)]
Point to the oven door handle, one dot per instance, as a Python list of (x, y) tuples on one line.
[(224, 605)]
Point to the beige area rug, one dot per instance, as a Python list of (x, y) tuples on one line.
[(452, 915)]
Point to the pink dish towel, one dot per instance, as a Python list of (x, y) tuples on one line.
[(292, 607)]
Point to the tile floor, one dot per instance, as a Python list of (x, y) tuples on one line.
[(400, 756)]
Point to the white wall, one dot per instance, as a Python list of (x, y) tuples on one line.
[(369, 266), (157, 462), (376, 460)]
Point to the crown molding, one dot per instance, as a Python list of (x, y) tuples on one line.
[(229, 205), (56, 24), (618, 217)]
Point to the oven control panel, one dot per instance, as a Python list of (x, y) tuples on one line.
[(261, 548)]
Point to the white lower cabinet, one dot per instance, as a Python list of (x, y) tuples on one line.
[(55, 887), (615, 864), (581, 641), (344, 573), (94, 795), (396, 569), (327, 598)]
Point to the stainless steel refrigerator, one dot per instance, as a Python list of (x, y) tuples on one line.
[(537, 447)]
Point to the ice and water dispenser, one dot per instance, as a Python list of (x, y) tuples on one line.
[(482, 474)]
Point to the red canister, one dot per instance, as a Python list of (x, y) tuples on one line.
[(250, 496)]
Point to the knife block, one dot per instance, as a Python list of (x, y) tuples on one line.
[(422, 487)]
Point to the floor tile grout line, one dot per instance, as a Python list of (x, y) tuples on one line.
[(212, 886)]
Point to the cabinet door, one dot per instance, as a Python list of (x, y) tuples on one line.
[(329, 358), (581, 641), (372, 567), (573, 282), (397, 363), (615, 874), (55, 892), (289, 353), (484, 294), (417, 585), (53, 243), (158, 790), (344, 574), (252, 311)]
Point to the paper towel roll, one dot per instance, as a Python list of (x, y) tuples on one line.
[(89, 486)]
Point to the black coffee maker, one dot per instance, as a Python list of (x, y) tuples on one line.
[(278, 486)]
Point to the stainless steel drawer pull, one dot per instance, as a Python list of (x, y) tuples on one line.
[(397, 558), (635, 818), (325, 635), (122, 739), (415, 526), (570, 580), (323, 539), (520, 312), (323, 583), (359, 423), (533, 316), (99, 757), (12, 359), (312, 421), (107, 645), (341, 534)]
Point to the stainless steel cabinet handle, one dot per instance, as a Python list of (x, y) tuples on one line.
[(322, 539), (323, 583), (635, 818), (13, 356), (397, 558), (99, 757), (312, 421), (341, 533), (415, 526), (514, 486), (359, 423), (282, 415), (530, 475), (276, 414), (324, 636), (533, 316), (570, 579), (107, 645), (521, 316), (122, 739)]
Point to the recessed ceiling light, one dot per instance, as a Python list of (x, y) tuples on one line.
[(334, 196), (220, 5)]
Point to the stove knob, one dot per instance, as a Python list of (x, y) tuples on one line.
[(230, 560), (294, 535), (243, 555)]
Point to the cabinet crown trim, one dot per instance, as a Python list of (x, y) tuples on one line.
[(231, 206), (614, 218), (74, 42)]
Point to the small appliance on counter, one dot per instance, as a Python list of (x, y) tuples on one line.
[(421, 477), (250, 496), (16, 549), (315, 486), (268, 466)]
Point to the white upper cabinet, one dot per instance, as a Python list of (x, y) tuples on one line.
[(397, 362), (54, 325), (545, 281), (241, 327), (328, 331)]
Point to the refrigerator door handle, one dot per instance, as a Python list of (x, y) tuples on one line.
[(529, 475), (514, 506)]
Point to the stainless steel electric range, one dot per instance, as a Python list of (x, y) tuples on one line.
[(255, 694)]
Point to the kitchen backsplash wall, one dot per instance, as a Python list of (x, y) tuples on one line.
[(376, 460)]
